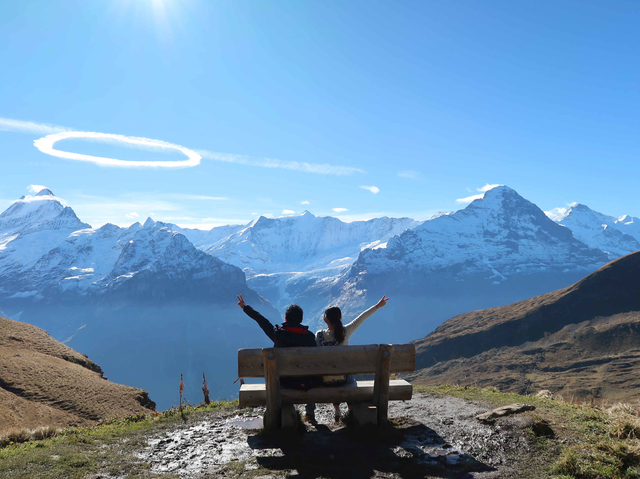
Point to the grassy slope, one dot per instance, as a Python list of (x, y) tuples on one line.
[(611, 290), (43, 382), (598, 358)]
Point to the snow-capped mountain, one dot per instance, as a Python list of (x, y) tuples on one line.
[(30, 228), (499, 249), (614, 236), (499, 235), (299, 243), (99, 261), (47, 250), (282, 257)]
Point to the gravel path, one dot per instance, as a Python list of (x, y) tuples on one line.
[(434, 437)]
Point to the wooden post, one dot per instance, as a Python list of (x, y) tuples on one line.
[(289, 417), (381, 384), (272, 387)]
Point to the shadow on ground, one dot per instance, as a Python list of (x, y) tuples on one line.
[(407, 450)]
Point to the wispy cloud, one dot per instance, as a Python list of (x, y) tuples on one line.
[(321, 169), (304, 202), (469, 199), (36, 188), (55, 133), (488, 187), (410, 174), (133, 214), (288, 212), (46, 143), (373, 189), (340, 210), (484, 189), (7, 124), (558, 214)]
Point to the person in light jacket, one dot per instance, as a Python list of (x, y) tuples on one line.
[(338, 334)]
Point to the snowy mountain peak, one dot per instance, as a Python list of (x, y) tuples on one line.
[(149, 223), (45, 192), (500, 208), (497, 196), (31, 211), (604, 232)]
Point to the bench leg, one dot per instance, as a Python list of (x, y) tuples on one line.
[(289, 417), (365, 414), (272, 389), (381, 384)]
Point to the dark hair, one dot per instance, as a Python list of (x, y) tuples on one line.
[(293, 314), (334, 316)]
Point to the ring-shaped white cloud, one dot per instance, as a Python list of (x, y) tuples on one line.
[(46, 143)]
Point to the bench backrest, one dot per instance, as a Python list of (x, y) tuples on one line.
[(326, 360)]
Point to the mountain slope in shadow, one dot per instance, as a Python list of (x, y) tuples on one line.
[(583, 340)]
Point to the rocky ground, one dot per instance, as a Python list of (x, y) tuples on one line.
[(432, 436)]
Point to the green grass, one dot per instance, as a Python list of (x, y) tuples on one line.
[(589, 441), (107, 448)]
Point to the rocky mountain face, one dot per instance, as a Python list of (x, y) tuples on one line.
[(582, 340)]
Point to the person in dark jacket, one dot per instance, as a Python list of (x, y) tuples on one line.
[(289, 334)]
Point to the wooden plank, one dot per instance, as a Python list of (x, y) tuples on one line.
[(333, 360), (381, 383), (272, 415), (252, 395)]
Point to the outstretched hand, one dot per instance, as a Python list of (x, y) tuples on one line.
[(241, 302), (382, 302)]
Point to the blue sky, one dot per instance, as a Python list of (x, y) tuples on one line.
[(291, 102)]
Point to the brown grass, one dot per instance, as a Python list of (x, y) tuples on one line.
[(45, 383)]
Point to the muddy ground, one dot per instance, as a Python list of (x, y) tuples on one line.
[(431, 436)]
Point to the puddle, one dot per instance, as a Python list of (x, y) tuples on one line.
[(246, 423)]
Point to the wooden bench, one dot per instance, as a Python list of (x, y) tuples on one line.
[(371, 397)]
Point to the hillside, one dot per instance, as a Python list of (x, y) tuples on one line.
[(43, 382), (583, 340)]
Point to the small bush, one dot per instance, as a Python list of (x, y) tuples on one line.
[(15, 436), (626, 430), (44, 432)]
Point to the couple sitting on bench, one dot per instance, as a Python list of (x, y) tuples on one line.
[(293, 333)]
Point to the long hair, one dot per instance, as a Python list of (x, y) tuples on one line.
[(334, 316)]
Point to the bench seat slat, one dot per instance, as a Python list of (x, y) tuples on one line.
[(252, 395), (334, 360)]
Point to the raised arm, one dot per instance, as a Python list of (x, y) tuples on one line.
[(355, 324), (263, 322)]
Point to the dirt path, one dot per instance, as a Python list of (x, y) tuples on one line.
[(434, 437)]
